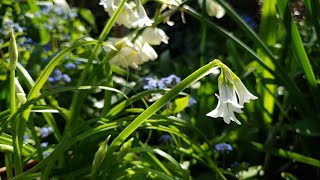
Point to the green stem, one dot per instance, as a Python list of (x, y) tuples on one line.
[(12, 92), (203, 71), (8, 161), (75, 105), (108, 94), (14, 124)]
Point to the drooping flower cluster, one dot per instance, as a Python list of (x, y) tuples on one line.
[(232, 96), (140, 51), (131, 16), (213, 8)]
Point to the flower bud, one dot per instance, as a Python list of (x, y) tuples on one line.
[(100, 155), (125, 148), (213, 8), (13, 51), (18, 87), (21, 95), (21, 98)]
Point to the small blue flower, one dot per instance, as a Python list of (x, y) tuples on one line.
[(37, 14), (50, 130), (25, 138), (56, 75), (150, 83), (235, 164), (44, 144), (161, 85), (70, 65), (166, 138), (46, 131), (249, 20), (47, 47), (222, 147), (66, 78), (28, 41), (169, 81), (73, 14), (58, 10), (191, 101), (172, 79), (46, 153), (46, 9)]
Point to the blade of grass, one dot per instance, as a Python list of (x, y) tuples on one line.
[(47, 116), (286, 154), (30, 103), (296, 42), (313, 7)]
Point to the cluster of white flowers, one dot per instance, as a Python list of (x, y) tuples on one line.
[(140, 51), (131, 16), (213, 8), (232, 96)]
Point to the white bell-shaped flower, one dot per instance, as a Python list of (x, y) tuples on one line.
[(133, 54), (244, 95), (143, 19), (231, 90), (154, 36), (129, 17)]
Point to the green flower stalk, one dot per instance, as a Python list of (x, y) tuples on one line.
[(13, 55)]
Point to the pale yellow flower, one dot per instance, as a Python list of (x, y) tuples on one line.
[(213, 8)]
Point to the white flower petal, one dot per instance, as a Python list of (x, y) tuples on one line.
[(148, 53), (244, 95), (154, 36), (143, 19), (108, 4), (225, 110), (217, 112)]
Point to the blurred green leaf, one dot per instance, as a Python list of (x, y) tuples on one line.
[(296, 42), (250, 173), (88, 16), (288, 176), (177, 105), (308, 127)]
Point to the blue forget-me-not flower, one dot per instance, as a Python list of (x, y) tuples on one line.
[(222, 147)]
